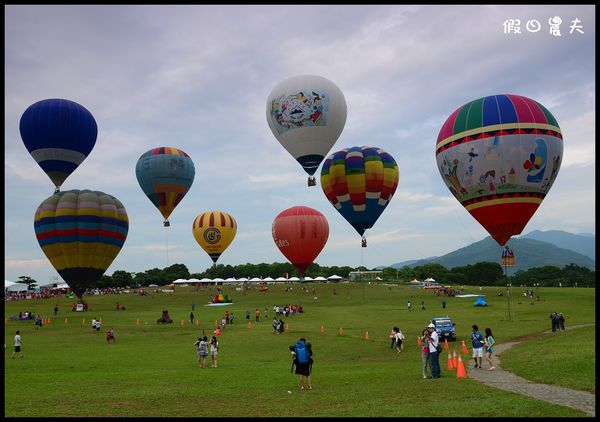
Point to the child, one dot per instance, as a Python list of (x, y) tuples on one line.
[(214, 349)]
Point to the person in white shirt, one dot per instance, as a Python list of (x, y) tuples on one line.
[(434, 356), (17, 345)]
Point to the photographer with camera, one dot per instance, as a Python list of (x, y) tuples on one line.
[(302, 359)]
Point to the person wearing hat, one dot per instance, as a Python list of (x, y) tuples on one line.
[(434, 355)]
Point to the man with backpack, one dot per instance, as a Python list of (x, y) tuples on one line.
[(477, 339), (302, 355)]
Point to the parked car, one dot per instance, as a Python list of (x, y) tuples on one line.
[(445, 328)]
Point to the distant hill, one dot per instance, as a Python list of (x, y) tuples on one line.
[(529, 253), (584, 243)]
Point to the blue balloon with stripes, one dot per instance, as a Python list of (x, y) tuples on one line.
[(59, 134)]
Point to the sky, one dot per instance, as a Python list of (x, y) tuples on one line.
[(197, 77)]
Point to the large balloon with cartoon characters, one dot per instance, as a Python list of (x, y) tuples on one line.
[(499, 156), (307, 114)]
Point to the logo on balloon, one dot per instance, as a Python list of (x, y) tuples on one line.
[(301, 109), (212, 235)]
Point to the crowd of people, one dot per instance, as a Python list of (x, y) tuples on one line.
[(558, 321)]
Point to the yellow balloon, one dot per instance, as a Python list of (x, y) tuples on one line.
[(214, 231)]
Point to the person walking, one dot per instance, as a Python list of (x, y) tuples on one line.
[(275, 325), (257, 315), (434, 353), (247, 315), (192, 318), (425, 351), (422, 305), (56, 310), (443, 304), (477, 340), (202, 348), (18, 343), (110, 335), (409, 305), (489, 348), (393, 337), (231, 318), (214, 350), (302, 360), (399, 339), (227, 317)]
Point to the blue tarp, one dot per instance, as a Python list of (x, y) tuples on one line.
[(480, 301)]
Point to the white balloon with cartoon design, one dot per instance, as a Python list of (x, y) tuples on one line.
[(499, 156), (307, 114)]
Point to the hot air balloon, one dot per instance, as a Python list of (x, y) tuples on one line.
[(214, 231), (81, 232), (59, 134), (307, 114), (360, 182), (165, 174), (300, 233), (499, 155)]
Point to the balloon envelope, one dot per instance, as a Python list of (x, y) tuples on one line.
[(59, 134), (214, 231), (165, 174), (499, 155), (300, 233), (81, 232), (360, 182), (307, 114)]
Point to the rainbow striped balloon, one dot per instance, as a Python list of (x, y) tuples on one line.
[(165, 175), (499, 156), (81, 232), (214, 231), (359, 182)]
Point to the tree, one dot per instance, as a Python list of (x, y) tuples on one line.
[(122, 278), (31, 283)]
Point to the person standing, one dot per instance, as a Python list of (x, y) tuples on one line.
[(192, 318), (443, 304), (202, 345), (425, 351), (561, 321), (409, 305), (477, 340), (193, 306), (214, 350), (266, 313), (393, 337), (227, 316), (302, 355), (18, 343), (434, 355), (275, 325), (422, 305), (56, 310), (489, 348), (399, 339), (231, 318), (247, 315), (257, 315), (554, 319)]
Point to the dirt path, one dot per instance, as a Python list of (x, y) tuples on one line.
[(499, 378)]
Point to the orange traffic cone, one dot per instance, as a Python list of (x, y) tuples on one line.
[(137, 322), (322, 329), (460, 371), (287, 327), (455, 360), (66, 321), (450, 363), (366, 335), (197, 322), (216, 324), (419, 341), (446, 344), (181, 323), (249, 324), (464, 349), (341, 331)]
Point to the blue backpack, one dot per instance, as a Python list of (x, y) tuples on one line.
[(302, 354)]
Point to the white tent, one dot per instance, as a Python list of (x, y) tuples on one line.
[(231, 280), (61, 286), (293, 279), (8, 283), (334, 277), (16, 287), (206, 280), (194, 280), (268, 279), (414, 281), (218, 279), (180, 281), (319, 278), (430, 280), (254, 279), (308, 278), (281, 279), (243, 279)]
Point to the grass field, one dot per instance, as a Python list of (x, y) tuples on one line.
[(69, 370), (560, 358)]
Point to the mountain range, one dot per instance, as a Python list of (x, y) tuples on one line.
[(535, 249)]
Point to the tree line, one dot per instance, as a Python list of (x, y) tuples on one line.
[(481, 273)]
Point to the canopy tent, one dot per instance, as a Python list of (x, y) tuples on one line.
[(414, 281), (430, 280), (335, 277), (254, 279), (16, 287), (181, 281), (378, 278), (268, 279), (281, 279), (480, 301), (218, 279), (243, 279), (8, 283), (320, 278), (293, 279), (61, 286), (307, 278), (231, 280), (205, 280)]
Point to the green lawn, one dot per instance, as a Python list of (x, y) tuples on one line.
[(69, 370), (565, 358)]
